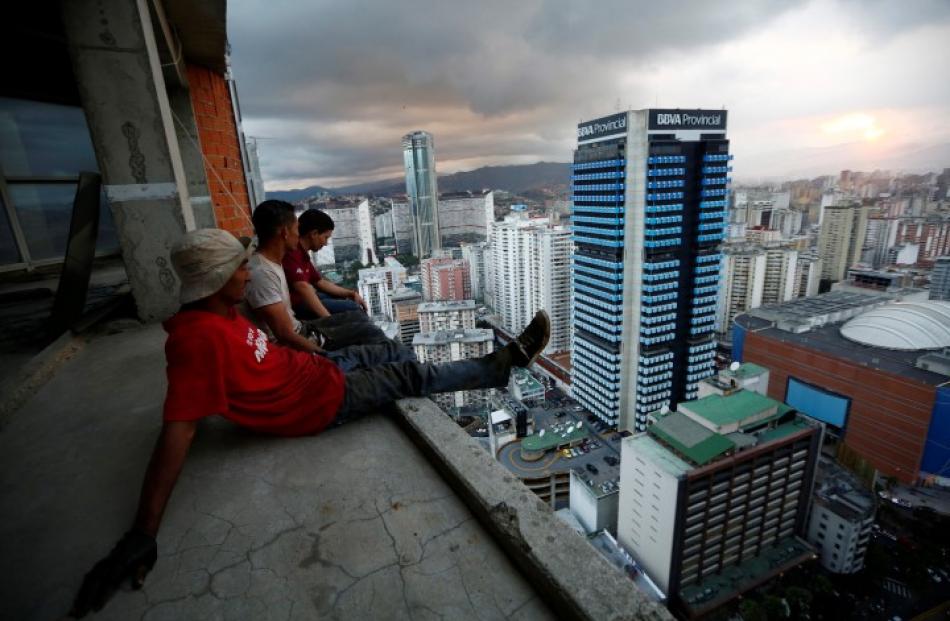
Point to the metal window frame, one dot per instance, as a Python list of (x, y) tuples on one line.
[(27, 262)]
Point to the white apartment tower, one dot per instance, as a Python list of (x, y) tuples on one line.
[(531, 271), (780, 265), (742, 283), (375, 292), (446, 315), (841, 240), (807, 275), (475, 253)]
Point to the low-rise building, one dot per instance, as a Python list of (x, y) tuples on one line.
[(524, 387), (841, 517)]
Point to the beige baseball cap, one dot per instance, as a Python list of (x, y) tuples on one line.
[(205, 259)]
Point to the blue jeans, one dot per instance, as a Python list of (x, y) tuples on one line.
[(356, 357), (338, 305), (334, 306), (345, 329), (369, 388)]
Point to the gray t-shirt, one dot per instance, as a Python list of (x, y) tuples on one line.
[(268, 286)]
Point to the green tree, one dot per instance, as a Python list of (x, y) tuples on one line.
[(774, 608), (799, 600), (751, 611)]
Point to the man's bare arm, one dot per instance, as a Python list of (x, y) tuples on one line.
[(278, 320), (310, 298), (168, 457), (331, 288)]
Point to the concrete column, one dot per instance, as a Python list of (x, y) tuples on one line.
[(119, 78)]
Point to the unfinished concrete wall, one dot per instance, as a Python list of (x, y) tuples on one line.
[(119, 78), (218, 135)]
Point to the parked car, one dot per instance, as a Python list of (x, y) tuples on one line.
[(592, 469)]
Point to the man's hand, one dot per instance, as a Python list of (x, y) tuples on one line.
[(132, 558), (356, 297)]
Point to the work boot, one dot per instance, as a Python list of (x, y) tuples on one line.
[(532, 340)]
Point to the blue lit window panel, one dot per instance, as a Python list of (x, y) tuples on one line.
[(818, 403)]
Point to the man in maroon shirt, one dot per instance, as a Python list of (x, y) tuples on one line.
[(311, 295), (221, 364)]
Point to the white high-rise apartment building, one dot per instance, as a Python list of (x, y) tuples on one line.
[(742, 283), (353, 229), (451, 345), (781, 263), (475, 254), (446, 315), (881, 237), (841, 240), (391, 271), (465, 216), (402, 226), (531, 271), (807, 275), (374, 290), (553, 272)]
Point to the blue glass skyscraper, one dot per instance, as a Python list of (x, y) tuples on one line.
[(649, 210), (418, 152)]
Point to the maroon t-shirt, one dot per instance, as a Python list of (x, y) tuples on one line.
[(299, 268)]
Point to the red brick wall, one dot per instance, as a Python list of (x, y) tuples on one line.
[(217, 132), (889, 416)]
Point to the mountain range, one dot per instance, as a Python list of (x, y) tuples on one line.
[(517, 178), (773, 166)]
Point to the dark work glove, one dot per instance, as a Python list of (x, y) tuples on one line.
[(132, 558)]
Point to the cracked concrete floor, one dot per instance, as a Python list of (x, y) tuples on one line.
[(352, 524)]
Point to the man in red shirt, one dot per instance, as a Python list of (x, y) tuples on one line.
[(311, 295), (221, 364)]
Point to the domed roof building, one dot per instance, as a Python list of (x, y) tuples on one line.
[(874, 370), (908, 326)]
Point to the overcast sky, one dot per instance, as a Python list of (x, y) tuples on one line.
[(331, 86)]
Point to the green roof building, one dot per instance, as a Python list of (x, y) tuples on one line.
[(715, 491)]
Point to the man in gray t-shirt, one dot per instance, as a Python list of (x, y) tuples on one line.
[(268, 286), (267, 297)]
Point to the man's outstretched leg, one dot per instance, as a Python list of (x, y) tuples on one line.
[(365, 356), (369, 389)]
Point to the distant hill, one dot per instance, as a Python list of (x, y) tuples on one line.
[(519, 178), (296, 195)]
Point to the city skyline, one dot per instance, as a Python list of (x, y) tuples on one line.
[(835, 83)]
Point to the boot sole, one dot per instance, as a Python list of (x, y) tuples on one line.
[(547, 338)]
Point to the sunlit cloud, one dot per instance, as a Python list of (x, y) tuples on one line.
[(854, 125)]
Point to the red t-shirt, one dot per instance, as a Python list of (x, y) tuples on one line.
[(224, 365), (299, 268)]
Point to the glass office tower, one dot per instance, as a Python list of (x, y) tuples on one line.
[(418, 151), (649, 210)]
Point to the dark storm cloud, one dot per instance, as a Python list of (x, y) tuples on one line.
[(334, 85)]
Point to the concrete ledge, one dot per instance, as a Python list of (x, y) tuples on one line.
[(572, 577), (20, 386)]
